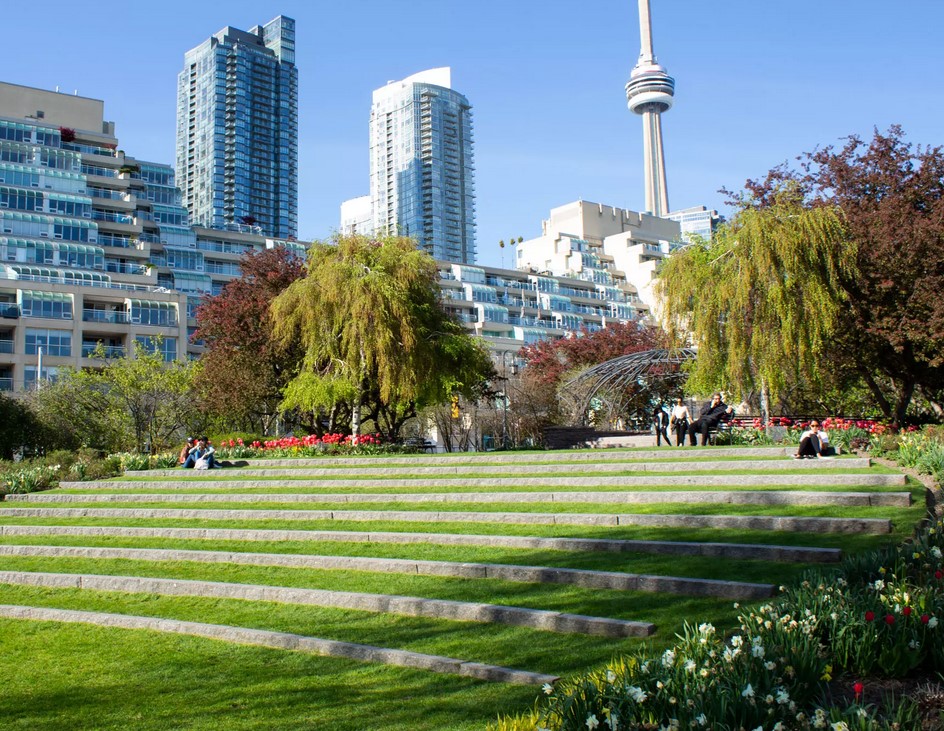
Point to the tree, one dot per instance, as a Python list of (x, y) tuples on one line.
[(374, 333), (138, 402), (890, 334), (760, 301), (550, 362), (245, 368), (20, 428)]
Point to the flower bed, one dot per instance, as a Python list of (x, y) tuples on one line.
[(879, 616), (308, 446)]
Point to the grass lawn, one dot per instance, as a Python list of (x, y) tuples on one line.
[(71, 676)]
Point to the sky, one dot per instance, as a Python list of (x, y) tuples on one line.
[(758, 82)]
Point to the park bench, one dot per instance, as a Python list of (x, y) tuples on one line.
[(420, 444)]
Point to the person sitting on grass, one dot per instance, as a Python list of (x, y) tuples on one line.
[(201, 456), (713, 413), (814, 443), (185, 452)]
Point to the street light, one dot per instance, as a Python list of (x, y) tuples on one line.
[(505, 402)]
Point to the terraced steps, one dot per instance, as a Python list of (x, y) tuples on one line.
[(584, 571), (284, 641), (216, 480), (538, 574), (736, 522), (443, 470), (761, 552)]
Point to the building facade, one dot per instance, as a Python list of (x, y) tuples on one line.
[(96, 248), (421, 165), (696, 221), (237, 130), (578, 237)]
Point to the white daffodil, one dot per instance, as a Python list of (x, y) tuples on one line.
[(592, 722), (748, 692), (547, 688)]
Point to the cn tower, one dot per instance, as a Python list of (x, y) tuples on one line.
[(649, 93)]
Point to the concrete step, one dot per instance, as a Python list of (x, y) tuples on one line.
[(714, 497), (217, 481), (736, 522), (345, 470), (562, 455), (282, 641), (619, 581), (387, 603), (748, 551)]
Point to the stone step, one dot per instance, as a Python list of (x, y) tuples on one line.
[(562, 455), (539, 619), (735, 522), (714, 497), (615, 580), (217, 481), (282, 641), (798, 465), (748, 551)]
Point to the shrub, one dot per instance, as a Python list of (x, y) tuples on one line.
[(29, 478)]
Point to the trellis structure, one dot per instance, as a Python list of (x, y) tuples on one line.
[(609, 386)]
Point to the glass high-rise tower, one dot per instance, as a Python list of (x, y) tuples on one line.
[(237, 130), (421, 167)]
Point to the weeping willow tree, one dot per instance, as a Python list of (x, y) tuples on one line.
[(761, 300), (374, 334)]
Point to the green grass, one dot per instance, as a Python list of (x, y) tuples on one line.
[(78, 677), (69, 676)]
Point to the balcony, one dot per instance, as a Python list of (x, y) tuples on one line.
[(111, 316), (9, 311), (108, 351), (6, 384), (6, 347)]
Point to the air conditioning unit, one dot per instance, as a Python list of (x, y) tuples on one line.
[(58, 236), (44, 234)]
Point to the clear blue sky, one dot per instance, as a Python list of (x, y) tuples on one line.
[(757, 83)]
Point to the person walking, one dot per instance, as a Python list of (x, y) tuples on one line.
[(660, 419), (678, 421)]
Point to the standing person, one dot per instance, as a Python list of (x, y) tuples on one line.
[(713, 413), (678, 421), (660, 420), (814, 443)]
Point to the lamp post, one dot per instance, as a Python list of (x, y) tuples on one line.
[(505, 402)]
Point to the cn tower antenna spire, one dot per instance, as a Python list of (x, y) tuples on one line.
[(649, 93)]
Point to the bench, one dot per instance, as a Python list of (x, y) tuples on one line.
[(420, 444)]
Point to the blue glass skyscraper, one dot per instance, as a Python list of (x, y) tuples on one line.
[(237, 130), (421, 168)]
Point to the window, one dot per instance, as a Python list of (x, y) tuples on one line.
[(146, 312), (167, 347), (50, 374), (54, 305), (53, 342)]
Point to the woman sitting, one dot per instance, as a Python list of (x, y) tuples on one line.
[(201, 456), (814, 443)]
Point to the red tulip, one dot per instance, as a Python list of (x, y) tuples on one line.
[(858, 687), (906, 611), (889, 619), (925, 619), (869, 616)]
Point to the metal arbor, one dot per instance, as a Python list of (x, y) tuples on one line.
[(609, 386)]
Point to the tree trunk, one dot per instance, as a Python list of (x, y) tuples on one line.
[(764, 403), (904, 400)]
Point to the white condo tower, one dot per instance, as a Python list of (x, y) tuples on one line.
[(649, 92)]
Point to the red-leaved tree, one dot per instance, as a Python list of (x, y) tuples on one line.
[(892, 196), (245, 368)]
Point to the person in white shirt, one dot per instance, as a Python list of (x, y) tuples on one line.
[(678, 421), (814, 443)]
